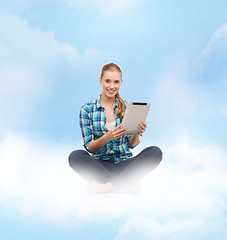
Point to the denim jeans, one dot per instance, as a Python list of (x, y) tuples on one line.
[(129, 171)]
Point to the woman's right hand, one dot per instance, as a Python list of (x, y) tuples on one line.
[(117, 132)]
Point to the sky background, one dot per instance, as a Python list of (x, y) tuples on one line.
[(174, 55)]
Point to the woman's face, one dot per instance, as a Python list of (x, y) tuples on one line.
[(111, 83)]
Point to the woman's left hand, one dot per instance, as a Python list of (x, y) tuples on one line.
[(142, 128)]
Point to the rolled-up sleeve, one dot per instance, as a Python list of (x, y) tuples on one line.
[(86, 128)]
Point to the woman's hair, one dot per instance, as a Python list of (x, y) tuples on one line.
[(121, 105)]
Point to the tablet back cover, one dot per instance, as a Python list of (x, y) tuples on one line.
[(135, 113)]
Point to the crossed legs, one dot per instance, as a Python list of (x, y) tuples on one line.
[(105, 172)]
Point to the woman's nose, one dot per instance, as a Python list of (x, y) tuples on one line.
[(112, 85)]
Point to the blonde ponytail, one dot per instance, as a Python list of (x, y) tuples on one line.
[(121, 107)]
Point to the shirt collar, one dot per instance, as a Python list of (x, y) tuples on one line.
[(99, 105)]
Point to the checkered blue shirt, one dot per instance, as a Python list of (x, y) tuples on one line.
[(93, 126)]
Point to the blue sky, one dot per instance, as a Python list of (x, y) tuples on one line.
[(173, 54)]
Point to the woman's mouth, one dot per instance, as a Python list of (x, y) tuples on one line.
[(110, 91)]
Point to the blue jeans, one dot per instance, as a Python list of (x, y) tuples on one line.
[(129, 171)]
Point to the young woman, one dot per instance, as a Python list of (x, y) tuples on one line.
[(108, 163)]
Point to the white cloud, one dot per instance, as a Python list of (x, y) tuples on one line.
[(31, 62), (217, 46), (211, 62), (22, 45), (27, 60), (141, 227), (175, 90), (174, 100), (107, 7), (211, 66), (36, 180), (35, 177), (191, 94)]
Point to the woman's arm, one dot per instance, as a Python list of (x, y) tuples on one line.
[(134, 140), (117, 132), (96, 145)]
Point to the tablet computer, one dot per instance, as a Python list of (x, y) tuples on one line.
[(135, 113)]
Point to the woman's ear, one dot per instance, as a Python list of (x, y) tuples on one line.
[(100, 80)]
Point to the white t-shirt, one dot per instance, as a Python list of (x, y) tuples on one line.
[(110, 125)]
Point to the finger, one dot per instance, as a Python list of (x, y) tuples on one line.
[(120, 134), (143, 127), (144, 124), (121, 129), (118, 127), (141, 130)]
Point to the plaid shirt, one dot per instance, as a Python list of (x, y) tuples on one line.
[(93, 126)]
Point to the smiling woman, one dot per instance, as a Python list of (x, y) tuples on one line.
[(110, 165)]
